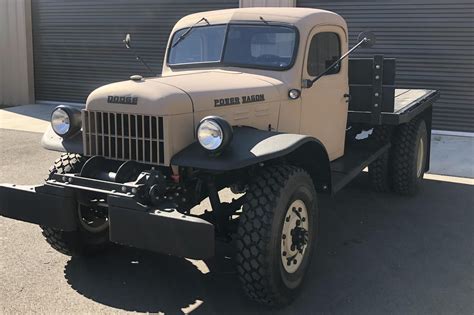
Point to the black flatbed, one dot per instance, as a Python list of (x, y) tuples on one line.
[(408, 103)]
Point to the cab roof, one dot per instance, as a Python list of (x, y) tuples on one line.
[(302, 18)]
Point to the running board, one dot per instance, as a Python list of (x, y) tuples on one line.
[(355, 159)]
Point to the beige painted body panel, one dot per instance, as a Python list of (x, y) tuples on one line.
[(324, 108), (321, 111), (184, 96), (179, 133), (154, 98), (206, 86), (304, 19), (185, 92)]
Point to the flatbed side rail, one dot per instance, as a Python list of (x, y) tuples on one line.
[(400, 116)]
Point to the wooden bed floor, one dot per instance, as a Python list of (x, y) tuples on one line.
[(406, 97)]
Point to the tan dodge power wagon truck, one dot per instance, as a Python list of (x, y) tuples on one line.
[(261, 100)]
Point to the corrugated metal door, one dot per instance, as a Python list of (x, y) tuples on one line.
[(433, 42), (78, 44)]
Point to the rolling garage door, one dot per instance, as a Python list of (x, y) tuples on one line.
[(433, 42), (78, 47)]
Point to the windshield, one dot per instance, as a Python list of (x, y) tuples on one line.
[(252, 46)]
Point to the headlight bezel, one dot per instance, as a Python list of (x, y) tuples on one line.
[(74, 117), (225, 129)]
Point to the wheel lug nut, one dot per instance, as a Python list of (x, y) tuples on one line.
[(298, 222), (303, 219), (295, 261), (283, 236), (284, 253), (300, 209)]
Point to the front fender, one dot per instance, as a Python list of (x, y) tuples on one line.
[(252, 146), (51, 141)]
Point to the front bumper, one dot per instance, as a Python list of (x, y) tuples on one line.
[(45, 205), (131, 223)]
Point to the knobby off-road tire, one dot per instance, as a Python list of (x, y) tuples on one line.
[(410, 145), (278, 197), (81, 242), (379, 171)]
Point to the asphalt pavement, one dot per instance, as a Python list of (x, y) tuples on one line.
[(377, 254)]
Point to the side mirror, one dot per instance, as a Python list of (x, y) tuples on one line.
[(367, 38), (127, 41)]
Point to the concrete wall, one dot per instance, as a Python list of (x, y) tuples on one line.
[(267, 3), (16, 53)]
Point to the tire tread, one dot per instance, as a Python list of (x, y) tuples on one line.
[(379, 170), (67, 243), (254, 234), (404, 158)]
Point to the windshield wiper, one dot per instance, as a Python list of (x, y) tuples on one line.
[(183, 36)]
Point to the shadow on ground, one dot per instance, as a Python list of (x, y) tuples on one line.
[(377, 253)]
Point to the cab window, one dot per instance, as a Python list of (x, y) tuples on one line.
[(324, 50), (201, 45), (261, 46)]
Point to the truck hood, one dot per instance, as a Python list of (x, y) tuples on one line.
[(184, 93), (145, 97)]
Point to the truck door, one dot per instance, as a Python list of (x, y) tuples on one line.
[(324, 106)]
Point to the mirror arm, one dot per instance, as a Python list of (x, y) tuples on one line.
[(142, 61), (309, 82), (137, 56)]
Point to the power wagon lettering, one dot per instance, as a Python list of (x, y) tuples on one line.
[(237, 100)]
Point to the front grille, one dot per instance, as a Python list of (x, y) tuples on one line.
[(124, 136)]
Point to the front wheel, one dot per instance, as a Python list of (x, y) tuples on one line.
[(276, 234), (92, 235)]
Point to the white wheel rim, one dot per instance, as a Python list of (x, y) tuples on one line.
[(294, 225), (420, 158)]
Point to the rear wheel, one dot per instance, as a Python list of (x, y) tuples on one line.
[(410, 147), (379, 171), (93, 226), (276, 234)]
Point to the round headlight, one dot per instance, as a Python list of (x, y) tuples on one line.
[(210, 135), (66, 121), (214, 133), (60, 121)]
